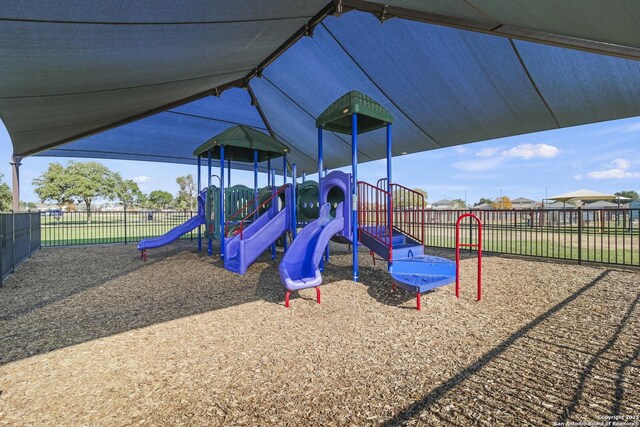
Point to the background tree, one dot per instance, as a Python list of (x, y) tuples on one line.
[(458, 204), (633, 195), (159, 199), (53, 185), (5, 195), (502, 203), (484, 200), (79, 182), (404, 199), (127, 192), (185, 199), (89, 181)]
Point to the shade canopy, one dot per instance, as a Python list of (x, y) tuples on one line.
[(240, 143), (153, 81), (585, 195)]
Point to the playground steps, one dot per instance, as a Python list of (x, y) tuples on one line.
[(422, 273), (402, 245)]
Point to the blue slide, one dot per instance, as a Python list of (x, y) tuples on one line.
[(299, 268), (178, 231)]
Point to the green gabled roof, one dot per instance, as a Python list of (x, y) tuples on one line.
[(239, 143), (337, 116)]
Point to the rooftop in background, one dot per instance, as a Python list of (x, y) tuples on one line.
[(240, 142), (585, 195)]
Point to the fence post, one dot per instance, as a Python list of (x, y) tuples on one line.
[(29, 213), (125, 224), (579, 235), (470, 230)]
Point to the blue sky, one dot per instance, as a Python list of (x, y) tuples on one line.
[(601, 157)]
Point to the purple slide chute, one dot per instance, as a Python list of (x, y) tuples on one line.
[(256, 238), (299, 268), (176, 232)]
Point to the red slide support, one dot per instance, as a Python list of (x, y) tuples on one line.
[(477, 245)]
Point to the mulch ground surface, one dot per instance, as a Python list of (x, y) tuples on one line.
[(94, 336)]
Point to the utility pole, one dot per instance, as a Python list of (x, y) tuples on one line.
[(15, 185)]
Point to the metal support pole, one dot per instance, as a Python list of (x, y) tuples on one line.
[(354, 192), (304, 177), (199, 190), (284, 182), (209, 240), (390, 196), (228, 173), (269, 183), (255, 181), (15, 185), (273, 191), (222, 202), (294, 201), (320, 168)]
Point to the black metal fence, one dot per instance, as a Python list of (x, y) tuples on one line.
[(79, 228), (19, 238), (610, 236)]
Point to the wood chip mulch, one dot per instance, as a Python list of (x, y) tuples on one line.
[(94, 336)]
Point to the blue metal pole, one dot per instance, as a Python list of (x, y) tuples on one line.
[(273, 190), (270, 184), (354, 192), (320, 168), (284, 182), (390, 196), (255, 180), (209, 241), (294, 201), (222, 202), (200, 189)]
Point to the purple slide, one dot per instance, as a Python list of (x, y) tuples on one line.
[(299, 268), (256, 238), (178, 231)]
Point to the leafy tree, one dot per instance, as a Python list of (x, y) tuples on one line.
[(6, 197), (484, 200), (127, 191), (405, 199), (79, 183), (458, 204), (504, 203), (159, 199), (53, 185), (185, 199), (633, 195)]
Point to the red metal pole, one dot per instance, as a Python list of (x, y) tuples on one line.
[(286, 298), (417, 300), (479, 260), (458, 259), (318, 294)]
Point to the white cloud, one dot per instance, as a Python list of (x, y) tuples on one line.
[(142, 179), (635, 127), (622, 163), (530, 151), (487, 152), (620, 171), (577, 177), (461, 150), (478, 165)]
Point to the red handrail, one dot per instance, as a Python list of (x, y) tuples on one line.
[(406, 217), (478, 245), (239, 211), (373, 210), (274, 195)]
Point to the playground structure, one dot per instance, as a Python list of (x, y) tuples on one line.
[(387, 218)]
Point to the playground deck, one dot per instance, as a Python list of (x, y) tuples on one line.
[(92, 335)]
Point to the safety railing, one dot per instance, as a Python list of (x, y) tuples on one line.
[(245, 211), (373, 213), (408, 212), (262, 205)]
